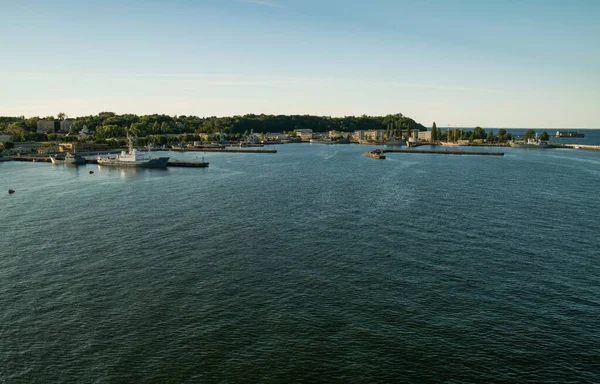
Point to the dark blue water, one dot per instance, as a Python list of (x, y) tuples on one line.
[(313, 264)]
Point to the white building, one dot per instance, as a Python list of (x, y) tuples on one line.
[(424, 136)]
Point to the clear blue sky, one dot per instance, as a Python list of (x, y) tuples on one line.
[(460, 63)]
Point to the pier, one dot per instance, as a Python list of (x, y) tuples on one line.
[(446, 152), (220, 150), (582, 146), (170, 163), (187, 164)]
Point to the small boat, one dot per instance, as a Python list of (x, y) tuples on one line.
[(11, 191), (376, 154)]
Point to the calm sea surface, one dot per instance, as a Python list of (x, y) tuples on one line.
[(313, 264)]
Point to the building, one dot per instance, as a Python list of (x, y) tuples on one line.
[(343, 135), (81, 147), (304, 134), (65, 125), (424, 136), (26, 147), (46, 126), (369, 135), (46, 149)]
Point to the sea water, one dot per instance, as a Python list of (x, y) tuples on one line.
[(316, 263)]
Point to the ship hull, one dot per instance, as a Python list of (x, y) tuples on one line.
[(395, 143), (78, 160), (160, 162), (532, 146)]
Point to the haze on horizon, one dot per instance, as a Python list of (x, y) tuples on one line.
[(459, 63)]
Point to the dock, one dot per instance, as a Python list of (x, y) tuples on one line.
[(170, 163), (582, 146), (222, 150), (187, 164), (446, 152)]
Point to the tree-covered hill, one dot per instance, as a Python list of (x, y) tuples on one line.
[(108, 124)]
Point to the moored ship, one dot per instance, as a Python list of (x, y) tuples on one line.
[(531, 143), (323, 141), (395, 142), (569, 134), (70, 158), (462, 143), (133, 158)]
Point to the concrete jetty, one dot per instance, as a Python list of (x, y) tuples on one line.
[(446, 152), (220, 150), (170, 163), (187, 164), (582, 146)]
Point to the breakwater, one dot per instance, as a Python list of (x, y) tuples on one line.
[(170, 163), (582, 146), (222, 150), (446, 152)]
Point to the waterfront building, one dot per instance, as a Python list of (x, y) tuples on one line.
[(81, 147), (304, 134), (369, 135), (344, 135), (424, 136), (46, 149), (26, 147)]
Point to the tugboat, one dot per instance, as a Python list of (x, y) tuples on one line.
[(376, 154)]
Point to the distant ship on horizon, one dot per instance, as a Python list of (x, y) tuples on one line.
[(569, 134)]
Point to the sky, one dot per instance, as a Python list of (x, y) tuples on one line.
[(459, 63)]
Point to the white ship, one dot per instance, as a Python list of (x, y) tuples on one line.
[(133, 158)]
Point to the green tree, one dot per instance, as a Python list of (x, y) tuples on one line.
[(433, 132), (544, 136), (530, 134), (490, 137), (132, 131), (164, 127), (478, 133), (502, 136)]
